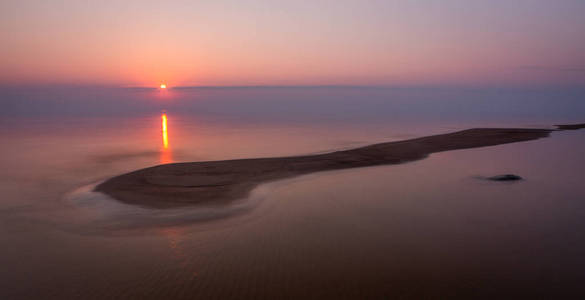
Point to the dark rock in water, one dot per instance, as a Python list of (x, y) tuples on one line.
[(505, 177)]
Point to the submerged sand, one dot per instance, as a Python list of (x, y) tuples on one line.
[(219, 182)]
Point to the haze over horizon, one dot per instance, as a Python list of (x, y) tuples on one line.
[(526, 43)]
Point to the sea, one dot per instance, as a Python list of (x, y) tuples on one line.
[(433, 228)]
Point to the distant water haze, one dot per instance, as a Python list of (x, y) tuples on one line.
[(303, 103)]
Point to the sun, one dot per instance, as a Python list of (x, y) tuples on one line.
[(163, 86)]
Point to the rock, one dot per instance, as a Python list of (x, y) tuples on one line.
[(505, 177)]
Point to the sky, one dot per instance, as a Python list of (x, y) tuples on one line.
[(318, 42)]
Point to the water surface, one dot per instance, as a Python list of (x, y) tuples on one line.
[(427, 228)]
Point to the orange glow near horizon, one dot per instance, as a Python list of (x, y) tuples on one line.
[(191, 43), (166, 151)]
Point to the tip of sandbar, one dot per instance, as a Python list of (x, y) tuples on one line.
[(571, 126)]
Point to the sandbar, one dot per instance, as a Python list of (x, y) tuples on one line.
[(220, 182)]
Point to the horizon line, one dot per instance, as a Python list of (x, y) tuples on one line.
[(281, 86)]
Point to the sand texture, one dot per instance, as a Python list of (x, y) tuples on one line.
[(219, 182)]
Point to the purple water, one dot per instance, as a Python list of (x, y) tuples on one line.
[(427, 228)]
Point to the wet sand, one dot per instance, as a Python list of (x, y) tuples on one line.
[(220, 182)]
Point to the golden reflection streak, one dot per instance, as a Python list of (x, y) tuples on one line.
[(165, 156), (164, 131)]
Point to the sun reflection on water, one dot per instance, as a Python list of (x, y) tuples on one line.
[(165, 155)]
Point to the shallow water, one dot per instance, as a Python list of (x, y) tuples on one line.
[(426, 228)]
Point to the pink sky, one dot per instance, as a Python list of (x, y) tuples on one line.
[(144, 43)]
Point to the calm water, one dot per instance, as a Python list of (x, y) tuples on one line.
[(427, 228)]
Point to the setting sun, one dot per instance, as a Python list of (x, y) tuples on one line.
[(163, 86)]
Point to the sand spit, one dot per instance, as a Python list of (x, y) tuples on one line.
[(219, 182)]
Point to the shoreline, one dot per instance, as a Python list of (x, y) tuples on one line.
[(220, 182)]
